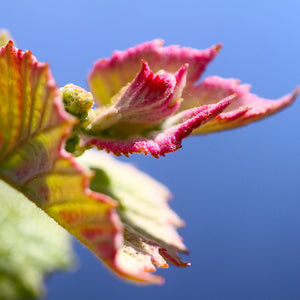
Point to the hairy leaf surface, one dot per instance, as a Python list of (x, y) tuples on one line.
[(109, 76)]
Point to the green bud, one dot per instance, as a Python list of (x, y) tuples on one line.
[(77, 101)]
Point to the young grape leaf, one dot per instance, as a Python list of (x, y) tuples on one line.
[(115, 86)]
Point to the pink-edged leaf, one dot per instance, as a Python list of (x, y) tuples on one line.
[(147, 99), (245, 108), (33, 126), (168, 137), (150, 237), (108, 76)]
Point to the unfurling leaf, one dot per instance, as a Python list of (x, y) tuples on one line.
[(131, 119), (168, 136), (148, 99)]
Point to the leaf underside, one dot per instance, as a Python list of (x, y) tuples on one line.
[(150, 237)]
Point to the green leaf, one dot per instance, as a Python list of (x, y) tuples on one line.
[(31, 246), (150, 238)]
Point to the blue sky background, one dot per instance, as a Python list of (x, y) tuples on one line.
[(238, 191)]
